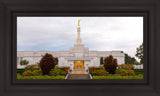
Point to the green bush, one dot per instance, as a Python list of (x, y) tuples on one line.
[(138, 71), (102, 72), (27, 73), (37, 72), (130, 73), (63, 73), (122, 72), (94, 73), (20, 71), (19, 75), (62, 68), (140, 74), (31, 67), (24, 62), (97, 68), (126, 66), (55, 72)]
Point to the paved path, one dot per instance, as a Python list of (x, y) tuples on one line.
[(78, 74), (78, 71)]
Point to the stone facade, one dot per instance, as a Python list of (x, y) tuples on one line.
[(67, 58)]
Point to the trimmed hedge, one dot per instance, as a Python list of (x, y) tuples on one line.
[(126, 66), (55, 72), (138, 71), (118, 77), (91, 69), (101, 72), (62, 68), (20, 71)]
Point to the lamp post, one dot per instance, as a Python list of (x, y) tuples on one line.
[(70, 68), (87, 67)]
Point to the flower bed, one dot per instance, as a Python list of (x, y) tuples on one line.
[(91, 69)]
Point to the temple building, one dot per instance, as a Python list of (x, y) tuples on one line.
[(77, 57)]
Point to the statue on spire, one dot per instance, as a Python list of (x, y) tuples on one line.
[(78, 33), (79, 22)]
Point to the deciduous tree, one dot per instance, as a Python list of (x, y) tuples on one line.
[(47, 63), (110, 64), (139, 53)]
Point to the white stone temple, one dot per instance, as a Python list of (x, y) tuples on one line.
[(77, 57)]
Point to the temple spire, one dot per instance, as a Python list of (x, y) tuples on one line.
[(78, 33), (78, 22)]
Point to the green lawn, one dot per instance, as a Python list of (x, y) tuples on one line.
[(118, 77), (40, 77)]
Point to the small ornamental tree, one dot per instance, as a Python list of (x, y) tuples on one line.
[(101, 61), (110, 64), (56, 60), (24, 62), (139, 53), (47, 63)]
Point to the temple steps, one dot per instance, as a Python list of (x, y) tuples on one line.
[(78, 76)]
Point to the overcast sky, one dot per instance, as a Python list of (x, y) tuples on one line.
[(97, 33)]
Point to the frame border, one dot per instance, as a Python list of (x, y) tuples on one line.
[(150, 86)]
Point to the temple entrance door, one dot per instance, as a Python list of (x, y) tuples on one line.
[(78, 64)]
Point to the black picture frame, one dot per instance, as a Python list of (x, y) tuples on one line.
[(10, 9)]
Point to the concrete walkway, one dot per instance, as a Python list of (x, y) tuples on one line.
[(78, 71), (78, 74)]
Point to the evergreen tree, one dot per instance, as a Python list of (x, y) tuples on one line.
[(130, 60), (101, 61)]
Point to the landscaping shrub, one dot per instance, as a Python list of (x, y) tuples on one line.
[(31, 67), (138, 71), (122, 72), (55, 72), (27, 73), (95, 68), (63, 73), (20, 71), (94, 73), (130, 73), (37, 72), (19, 75), (47, 63), (126, 66), (24, 62), (102, 72), (110, 64), (63, 68), (140, 74)]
